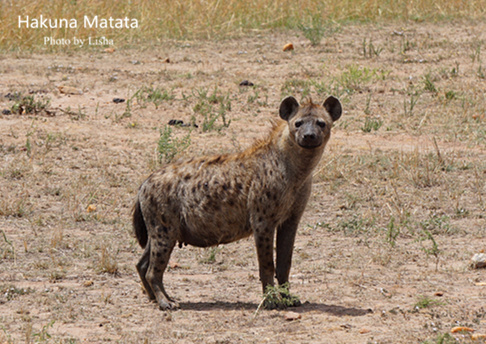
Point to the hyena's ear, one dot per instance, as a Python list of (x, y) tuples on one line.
[(333, 107), (288, 108)]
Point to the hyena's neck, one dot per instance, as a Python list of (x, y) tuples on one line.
[(299, 162)]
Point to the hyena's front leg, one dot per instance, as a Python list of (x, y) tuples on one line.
[(264, 247), (285, 246), (285, 240)]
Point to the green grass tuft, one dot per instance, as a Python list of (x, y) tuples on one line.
[(279, 297), (169, 147)]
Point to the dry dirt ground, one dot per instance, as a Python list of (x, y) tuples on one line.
[(383, 250)]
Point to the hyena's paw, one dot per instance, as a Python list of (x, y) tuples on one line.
[(165, 305)]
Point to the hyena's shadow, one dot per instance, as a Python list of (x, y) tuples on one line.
[(335, 310), (217, 305), (306, 307)]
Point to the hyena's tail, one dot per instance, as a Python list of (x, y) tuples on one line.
[(139, 227)]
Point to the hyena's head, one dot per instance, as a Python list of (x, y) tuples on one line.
[(310, 124)]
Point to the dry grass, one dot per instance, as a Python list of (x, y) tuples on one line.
[(211, 19)]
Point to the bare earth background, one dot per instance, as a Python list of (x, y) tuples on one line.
[(383, 251)]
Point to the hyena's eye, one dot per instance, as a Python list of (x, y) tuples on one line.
[(321, 124), (298, 123)]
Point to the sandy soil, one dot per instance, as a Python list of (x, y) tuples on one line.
[(383, 251)]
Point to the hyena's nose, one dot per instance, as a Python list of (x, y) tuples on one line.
[(309, 136), (310, 139)]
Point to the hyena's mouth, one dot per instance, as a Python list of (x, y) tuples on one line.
[(309, 143), (309, 146)]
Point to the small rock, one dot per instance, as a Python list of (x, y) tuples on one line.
[(246, 83), (288, 47), (181, 123), (13, 96), (69, 90), (118, 100), (88, 283), (6, 112), (173, 265), (50, 112), (478, 261), (364, 331), (291, 316)]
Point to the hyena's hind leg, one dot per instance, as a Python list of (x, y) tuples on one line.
[(161, 246), (142, 267)]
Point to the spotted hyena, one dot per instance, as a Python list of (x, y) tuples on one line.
[(212, 200)]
